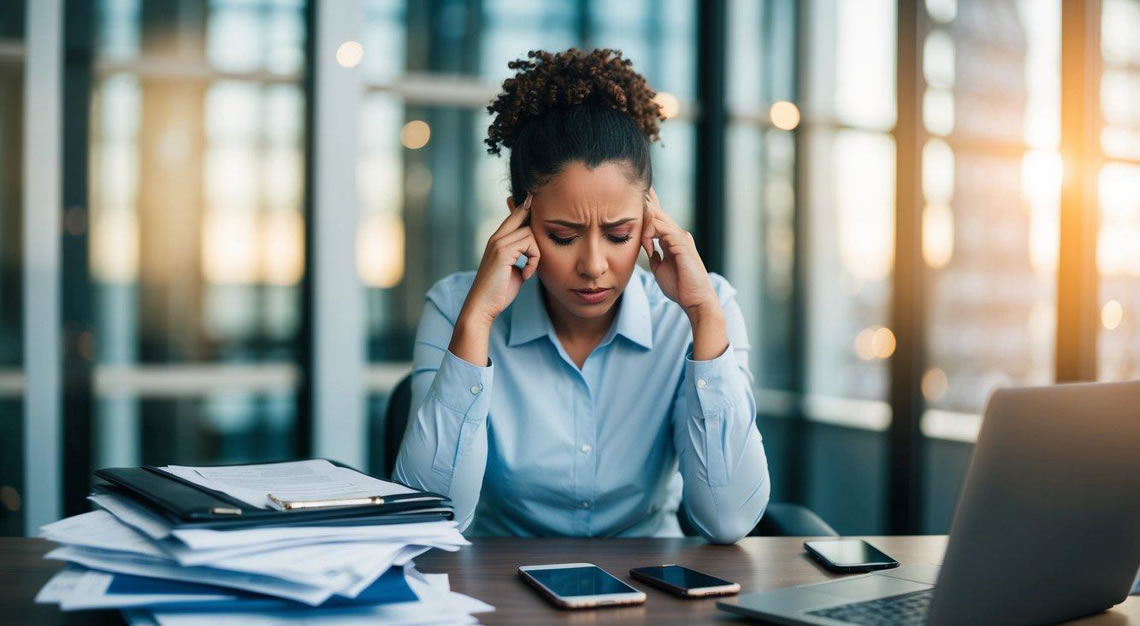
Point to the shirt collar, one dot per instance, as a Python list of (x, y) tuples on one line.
[(530, 320)]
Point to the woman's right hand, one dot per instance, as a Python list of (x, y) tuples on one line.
[(498, 280)]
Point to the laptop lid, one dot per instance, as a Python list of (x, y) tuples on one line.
[(1047, 527)]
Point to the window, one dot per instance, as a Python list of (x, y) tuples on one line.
[(197, 236)]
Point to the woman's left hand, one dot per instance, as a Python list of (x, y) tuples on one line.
[(681, 274)]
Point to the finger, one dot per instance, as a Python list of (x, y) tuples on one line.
[(647, 235), (515, 219), (532, 256), (658, 212), (662, 226), (648, 232), (678, 242), (513, 242)]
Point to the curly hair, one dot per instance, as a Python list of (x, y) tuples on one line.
[(547, 82), (589, 107)]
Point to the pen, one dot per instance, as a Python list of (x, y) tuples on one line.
[(290, 505)]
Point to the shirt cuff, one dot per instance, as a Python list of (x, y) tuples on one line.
[(460, 386), (710, 382)]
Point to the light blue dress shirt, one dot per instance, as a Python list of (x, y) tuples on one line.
[(532, 446)]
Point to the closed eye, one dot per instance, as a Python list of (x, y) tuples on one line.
[(565, 241)]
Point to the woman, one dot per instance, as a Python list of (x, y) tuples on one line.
[(565, 405)]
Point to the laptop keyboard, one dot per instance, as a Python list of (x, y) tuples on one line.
[(908, 608)]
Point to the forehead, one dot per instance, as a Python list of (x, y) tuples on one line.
[(579, 193)]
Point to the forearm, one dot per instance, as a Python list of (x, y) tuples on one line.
[(471, 338), (710, 331), (445, 447)]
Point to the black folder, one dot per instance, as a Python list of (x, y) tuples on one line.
[(186, 504)]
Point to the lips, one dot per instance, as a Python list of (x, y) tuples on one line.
[(592, 296)]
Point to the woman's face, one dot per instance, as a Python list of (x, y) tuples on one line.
[(587, 224)]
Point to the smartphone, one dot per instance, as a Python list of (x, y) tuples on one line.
[(579, 585), (848, 555), (683, 581)]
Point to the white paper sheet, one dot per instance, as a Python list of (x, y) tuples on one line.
[(314, 479), (186, 555), (132, 514), (125, 563), (205, 538), (60, 585), (100, 529)]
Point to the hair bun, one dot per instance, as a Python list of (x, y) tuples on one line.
[(547, 82)]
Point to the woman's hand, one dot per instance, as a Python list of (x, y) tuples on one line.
[(682, 277), (498, 280), (681, 274)]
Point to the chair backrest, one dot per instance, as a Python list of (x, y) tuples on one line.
[(395, 423)]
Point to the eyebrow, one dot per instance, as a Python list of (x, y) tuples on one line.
[(580, 226)]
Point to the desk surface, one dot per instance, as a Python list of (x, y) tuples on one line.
[(487, 570)]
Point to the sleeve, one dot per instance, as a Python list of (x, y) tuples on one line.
[(445, 447), (721, 452)]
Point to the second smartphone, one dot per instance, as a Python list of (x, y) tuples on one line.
[(683, 581)]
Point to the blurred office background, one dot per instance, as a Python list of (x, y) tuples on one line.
[(218, 219)]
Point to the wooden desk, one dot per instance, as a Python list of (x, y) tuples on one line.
[(487, 570)]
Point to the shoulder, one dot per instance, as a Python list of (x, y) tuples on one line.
[(448, 293)]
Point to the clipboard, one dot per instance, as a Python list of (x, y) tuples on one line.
[(186, 504)]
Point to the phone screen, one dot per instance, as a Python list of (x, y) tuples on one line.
[(569, 582), (850, 553), (682, 577)]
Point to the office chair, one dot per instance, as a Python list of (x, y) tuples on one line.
[(781, 519)]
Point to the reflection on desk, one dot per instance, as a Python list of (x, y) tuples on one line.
[(488, 570)]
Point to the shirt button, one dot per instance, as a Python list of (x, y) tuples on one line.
[(585, 449), (701, 384), (585, 505), (475, 389)]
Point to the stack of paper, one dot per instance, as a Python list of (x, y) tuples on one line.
[(126, 556)]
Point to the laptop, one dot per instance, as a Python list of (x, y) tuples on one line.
[(1047, 527)]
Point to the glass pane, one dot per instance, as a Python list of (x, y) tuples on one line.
[(852, 78), (761, 186), (197, 237), (762, 49), (991, 218), (761, 246), (1118, 259), (1118, 256), (850, 239), (514, 27), (1120, 82)]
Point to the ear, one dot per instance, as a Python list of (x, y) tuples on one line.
[(510, 204)]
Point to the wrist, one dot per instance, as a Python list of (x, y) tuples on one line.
[(471, 320), (709, 312)]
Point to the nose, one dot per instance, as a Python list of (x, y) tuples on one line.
[(592, 261)]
